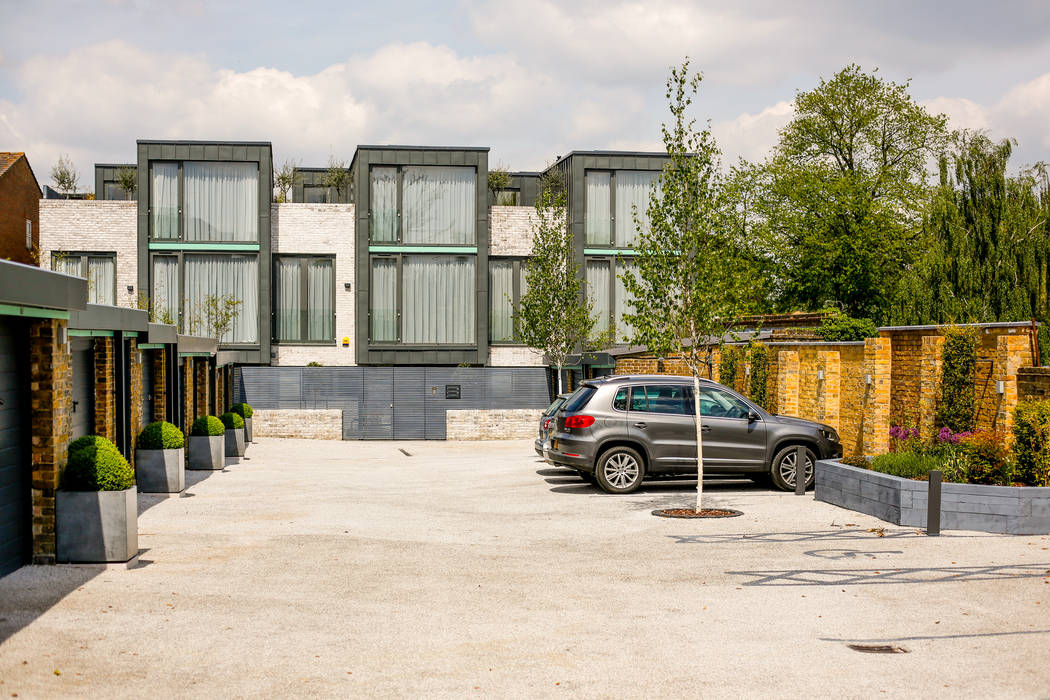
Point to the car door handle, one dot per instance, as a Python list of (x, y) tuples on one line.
[(705, 428), (643, 426)]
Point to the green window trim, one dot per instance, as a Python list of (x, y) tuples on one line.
[(151, 346), (82, 333), (32, 312), (206, 247), (438, 249), (610, 251)]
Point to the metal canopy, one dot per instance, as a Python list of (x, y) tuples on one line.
[(26, 285), (192, 344), (163, 333), (97, 317)]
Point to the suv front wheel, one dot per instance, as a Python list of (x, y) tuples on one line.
[(784, 468), (620, 470)]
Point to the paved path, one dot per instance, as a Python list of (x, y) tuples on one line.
[(351, 569)]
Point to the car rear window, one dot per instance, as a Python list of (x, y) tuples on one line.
[(555, 405), (579, 399)]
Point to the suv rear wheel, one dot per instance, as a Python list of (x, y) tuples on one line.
[(784, 468), (620, 470)]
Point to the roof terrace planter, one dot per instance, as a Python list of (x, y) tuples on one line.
[(1015, 510)]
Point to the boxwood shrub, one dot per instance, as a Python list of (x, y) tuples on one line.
[(1032, 442), (207, 426), (232, 421), (242, 409), (95, 464), (161, 435)]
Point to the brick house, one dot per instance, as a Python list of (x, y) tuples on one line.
[(19, 209)]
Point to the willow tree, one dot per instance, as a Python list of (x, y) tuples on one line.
[(692, 275)]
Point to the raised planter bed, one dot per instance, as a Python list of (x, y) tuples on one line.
[(1015, 510)]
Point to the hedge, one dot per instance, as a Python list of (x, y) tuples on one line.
[(160, 435), (242, 409), (1032, 442), (207, 426), (232, 421), (95, 464)]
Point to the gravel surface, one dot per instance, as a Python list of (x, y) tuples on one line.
[(353, 569)]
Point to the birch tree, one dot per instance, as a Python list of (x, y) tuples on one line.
[(554, 315), (692, 273)]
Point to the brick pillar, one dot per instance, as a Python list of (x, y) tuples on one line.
[(202, 385), (51, 401), (138, 421), (188, 403), (828, 389), (930, 368), (876, 426), (160, 385), (1011, 353), (787, 382), (105, 389)]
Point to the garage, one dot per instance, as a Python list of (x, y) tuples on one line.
[(15, 509)]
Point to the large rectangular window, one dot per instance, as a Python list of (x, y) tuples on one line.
[(99, 269), (165, 289), (164, 201), (211, 280), (222, 201), (423, 300), (506, 287), (611, 199), (609, 295), (423, 205), (304, 299)]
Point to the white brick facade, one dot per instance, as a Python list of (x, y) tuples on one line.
[(514, 356), (314, 424), (492, 424), (94, 226), (510, 230), (322, 229)]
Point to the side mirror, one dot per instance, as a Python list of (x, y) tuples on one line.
[(752, 417)]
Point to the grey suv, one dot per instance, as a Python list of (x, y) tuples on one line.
[(619, 430)]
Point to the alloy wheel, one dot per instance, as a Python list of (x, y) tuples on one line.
[(621, 470)]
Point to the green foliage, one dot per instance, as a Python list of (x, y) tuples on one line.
[(314, 363), (160, 436), (908, 465), (551, 316), (499, 180), (232, 421), (213, 316), (284, 179), (957, 407), (127, 180), (1032, 442), (838, 206), (840, 328), (95, 464), (986, 239), (207, 426), (986, 459), (338, 177), (727, 366), (758, 381), (64, 175), (242, 409)]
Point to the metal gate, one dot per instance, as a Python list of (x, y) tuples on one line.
[(399, 403), (15, 518)]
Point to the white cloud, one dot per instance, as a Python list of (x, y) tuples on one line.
[(751, 136)]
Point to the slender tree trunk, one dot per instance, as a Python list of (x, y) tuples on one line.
[(699, 443), (559, 377)]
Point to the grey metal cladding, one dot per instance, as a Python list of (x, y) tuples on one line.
[(377, 408), (27, 285), (107, 173), (409, 402)]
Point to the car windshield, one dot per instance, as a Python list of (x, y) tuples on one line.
[(555, 405), (579, 399)]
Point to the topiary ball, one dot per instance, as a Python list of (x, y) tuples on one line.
[(207, 426), (95, 464), (242, 409), (161, 435), (232, 421)]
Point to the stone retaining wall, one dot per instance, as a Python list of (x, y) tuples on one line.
[(492, 424), (315, 424)]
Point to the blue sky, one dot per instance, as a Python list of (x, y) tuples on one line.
[(531, 80)]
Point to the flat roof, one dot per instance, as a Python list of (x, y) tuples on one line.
[(98, 317), (163, 333), (396, 147), (207, 143), (194, 343), (28, 285), (116, 165), (628, 154)]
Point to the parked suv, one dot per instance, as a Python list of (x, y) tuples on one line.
[(619, 430)]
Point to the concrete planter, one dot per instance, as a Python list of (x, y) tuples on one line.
[(248, 430), (96, 526), (160, 471), (235, 442), (1016, 510), (206, 452)]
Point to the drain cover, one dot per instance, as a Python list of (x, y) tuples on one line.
[(877, 648)]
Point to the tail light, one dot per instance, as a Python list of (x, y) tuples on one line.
[(547, 424), (579, 421)]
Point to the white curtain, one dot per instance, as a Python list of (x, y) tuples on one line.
[(598, 287), (222, 201), (289, 284), (596, 216), (164, 200), (624, 330), (384, 300), (223, 276), (165, 289), (438, 205), (102, 280), (319, 288), (438, 299), (632, 190), (384, 205), (501, 307), (67, 264)]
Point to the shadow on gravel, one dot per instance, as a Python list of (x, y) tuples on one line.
[(573, 485), (865, 577)]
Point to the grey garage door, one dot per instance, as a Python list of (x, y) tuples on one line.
[(15, 542), (83, 387), (147, 387)]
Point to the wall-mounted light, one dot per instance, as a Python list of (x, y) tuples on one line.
[(346, 286), (820, 375), (1000, 387), (131, 289), (61, 336), (867, 379)]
